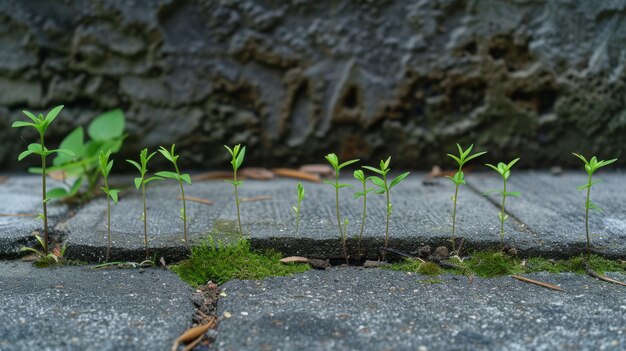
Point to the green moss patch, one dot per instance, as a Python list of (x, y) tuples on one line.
[(220, 263), (490, 264)]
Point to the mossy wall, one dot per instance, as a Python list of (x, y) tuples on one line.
[(295, 79)]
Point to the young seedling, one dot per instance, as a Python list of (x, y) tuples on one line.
[(173, 158), (41, 124), (105, 169), (334, 162), (384, 188), (141, 182), (46, 259), (458, 179), (297, 209), (591, 166), (505, 172), (237, 153), (360, 176)]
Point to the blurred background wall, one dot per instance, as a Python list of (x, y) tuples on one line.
[(295, 79)]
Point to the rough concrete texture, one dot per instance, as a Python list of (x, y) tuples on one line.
[(77, 308), (296, 79), (553, 211), (20, 203), (421, 216), (349, 309)]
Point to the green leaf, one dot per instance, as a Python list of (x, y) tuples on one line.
[(330, 182), (333, 160), (136, 165), (512, 193), (234, 183), (385, 165), (492, 167), (113, 194), (23, 155), (168, 156), (32, 117), (512, 163), (52, 115), (605, 163), (344, 186), (36, 149), (501, 218), (107, 126), (138, 182), (375, 170), (230, 151), (295, 209), (380, 191), (581, 157), (167, 174), (74, 142), (594, 207), (57, 193), (19, 124), (478, 154), (398, 179), (379, 182), (240, 157), (152, 179), (76, 186), (359, 175), (456, 159), (358, 194), (347, 163), (185, 178)]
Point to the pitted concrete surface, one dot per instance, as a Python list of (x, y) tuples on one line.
[(78, 308), (351, 309)]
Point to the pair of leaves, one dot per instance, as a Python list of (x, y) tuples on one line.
[(142, 167), (590, 205), (502, 219), (360, 175), (464, 155), (589, 185), (458, 179), (593, 164), (237, 153), (38, 149), (506, 194), (169, 155), (300, 192), (112, 193), (105, 169), (334, 162), (338, 185), (503, 169), (384, 167)]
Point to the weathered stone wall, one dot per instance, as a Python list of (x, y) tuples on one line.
[(295, 79)]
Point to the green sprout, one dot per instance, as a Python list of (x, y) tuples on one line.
[(105, 169), (41, 124), (297, 208), (591, 166), (458, 179), (141, 182), (360, 176), (505, 171), (237, 153), (384, 188), (173, 158), (334, 162), (44, 259)]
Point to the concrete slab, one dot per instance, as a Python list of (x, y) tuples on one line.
[(20, 203), (350, 309), (77, 308), (422, 215), (553, 211)]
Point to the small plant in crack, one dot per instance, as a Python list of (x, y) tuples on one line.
[(385, 187), (504, 170), (180, 178), (41, 124), (140, 183), (45, 259), (591, 167), (458, 180), (112, 194), (337, 166), (298, 208), (237, 153), (360, 176)]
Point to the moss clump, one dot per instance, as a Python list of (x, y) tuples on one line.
[(574, 264), (416, 266), (492, 264), (221, 263)]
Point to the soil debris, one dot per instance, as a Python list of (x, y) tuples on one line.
[(296, 174)]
